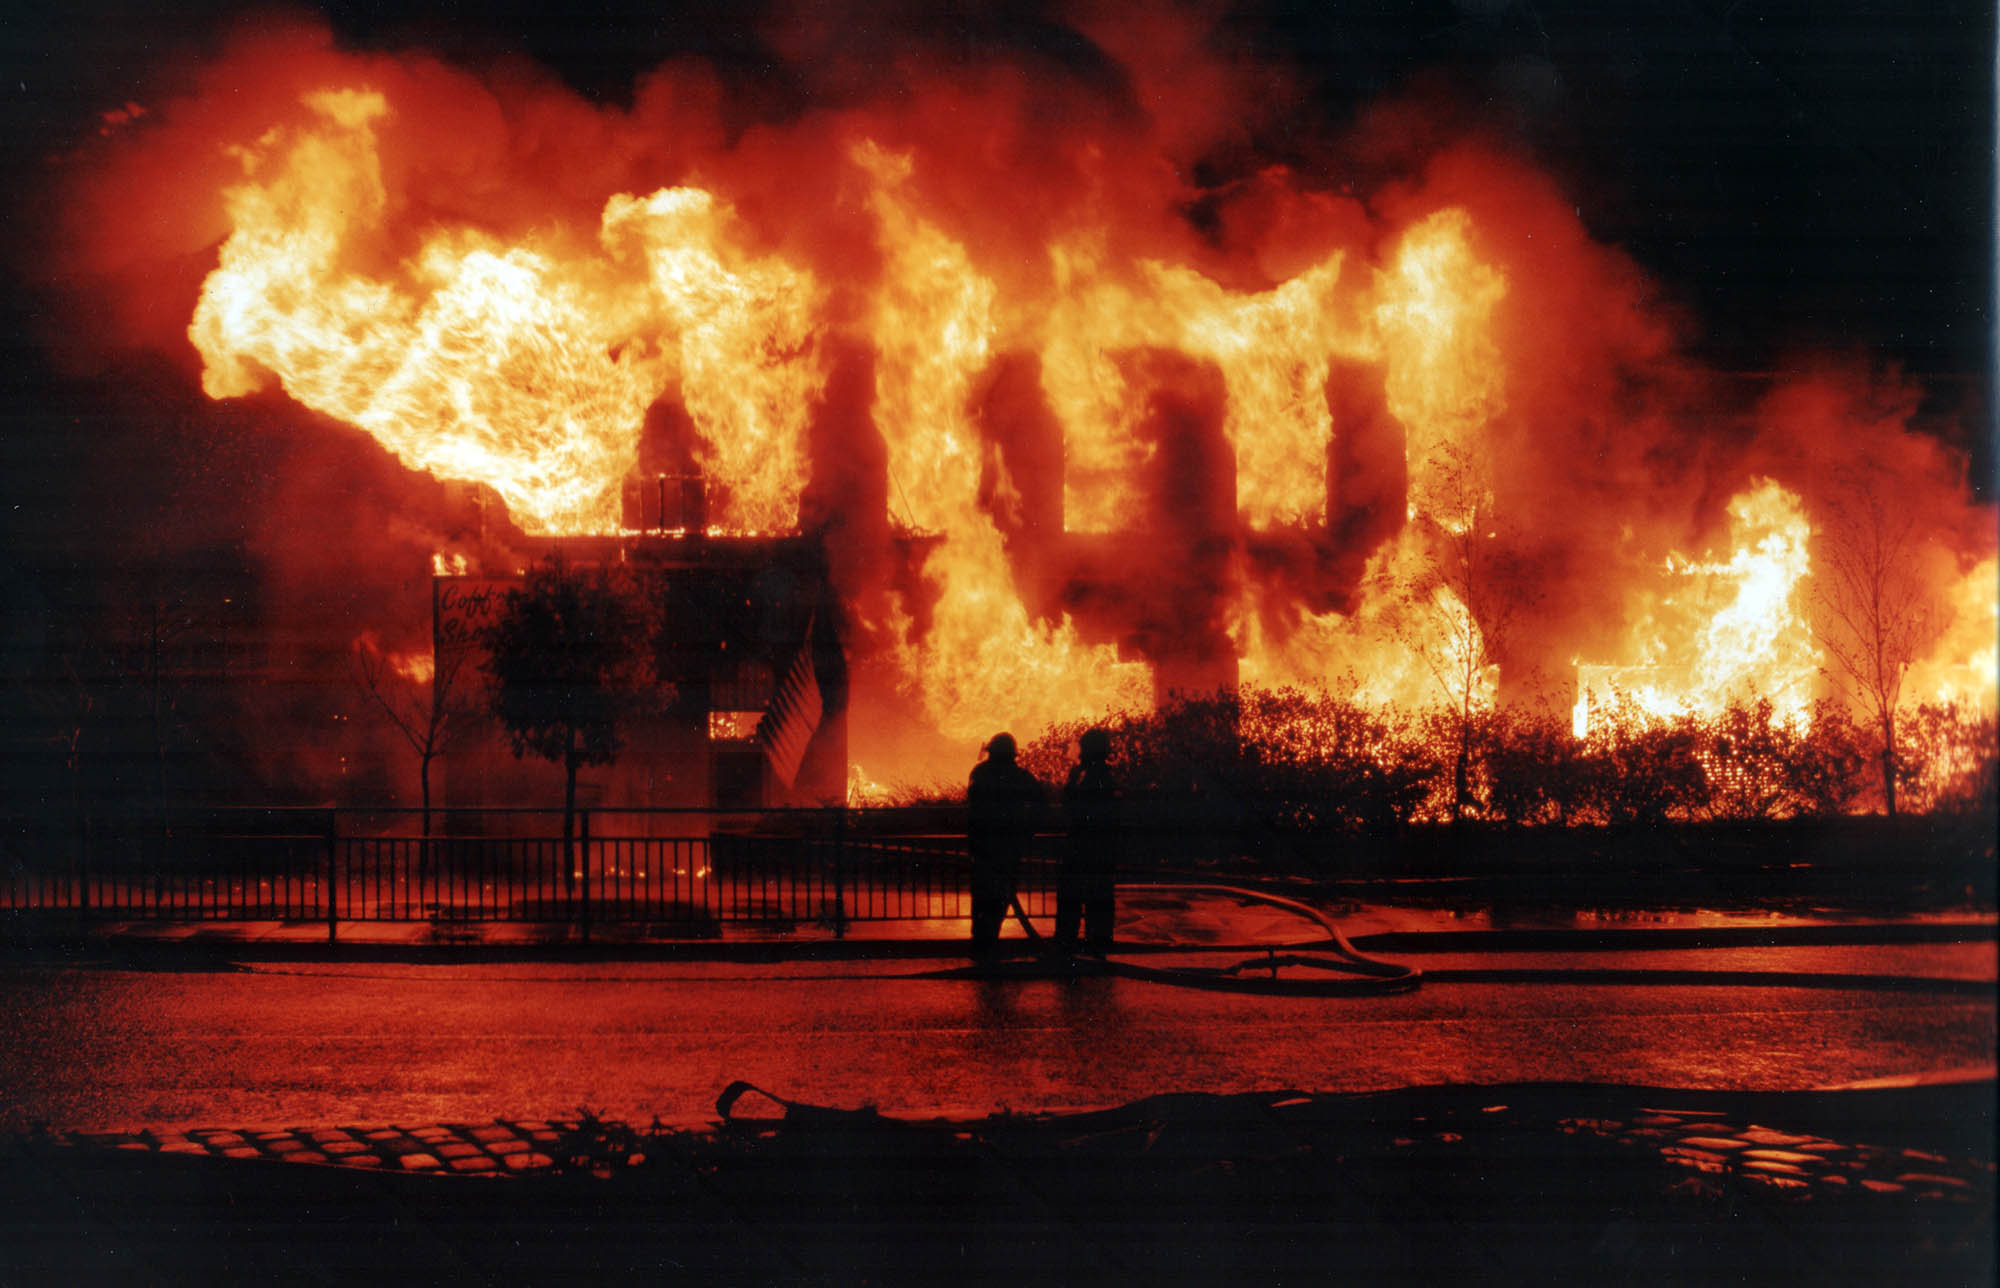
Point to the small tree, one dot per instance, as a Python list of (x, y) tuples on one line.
[(426, 712), (1465, 594), (566, 656), (1875, 611)]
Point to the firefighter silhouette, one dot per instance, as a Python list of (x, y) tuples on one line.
[(1086, 895), (1002, 800)]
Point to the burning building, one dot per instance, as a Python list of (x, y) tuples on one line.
[(747, 692), (1044, 387)]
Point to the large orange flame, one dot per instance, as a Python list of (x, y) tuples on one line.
[(528, 368), (1530, 413), (1729, 628), (982, 663)]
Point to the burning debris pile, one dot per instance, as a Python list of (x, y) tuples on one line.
[(1081, 419)]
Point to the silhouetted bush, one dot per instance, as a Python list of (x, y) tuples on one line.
[(1537, 769), (1643, 769), (1287, 768), (1946, 763), (1828, 768), (1296, 771)]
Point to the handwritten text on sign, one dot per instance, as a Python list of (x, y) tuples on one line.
[(463, 607)]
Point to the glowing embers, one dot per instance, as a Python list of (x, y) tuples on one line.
[(733, 726), (417, 668), (1730, 627), (863, 791)]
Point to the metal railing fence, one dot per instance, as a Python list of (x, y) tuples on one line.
[(681, 872)]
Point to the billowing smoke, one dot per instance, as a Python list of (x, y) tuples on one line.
[(1102, 368)]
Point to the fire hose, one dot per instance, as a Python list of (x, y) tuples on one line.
[(1349, 971), (1345, 970)]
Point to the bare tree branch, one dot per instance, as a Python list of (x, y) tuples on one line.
[(1875, 612)]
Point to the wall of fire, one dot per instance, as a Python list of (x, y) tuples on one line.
[(1162, 580)]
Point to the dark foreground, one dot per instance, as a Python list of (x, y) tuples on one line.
[(1501, 1184)]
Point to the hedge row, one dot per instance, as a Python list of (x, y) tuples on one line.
[(1309, 762)]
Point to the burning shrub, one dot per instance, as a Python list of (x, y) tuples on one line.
[(1287, 773), (1946, 763), (1332, 767), (1536, 768), (1280, 772), (1826, 769), (1743, 757), (1642, 768)]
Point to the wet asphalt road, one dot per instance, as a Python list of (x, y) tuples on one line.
[(102, 1049)]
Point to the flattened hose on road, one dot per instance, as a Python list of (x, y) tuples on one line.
[(1351, 972)]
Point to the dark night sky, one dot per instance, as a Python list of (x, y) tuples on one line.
[(1801, 174), (1811, 171)]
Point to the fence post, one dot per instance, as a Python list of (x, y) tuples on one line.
[(583, 852), (840, 872), (83, 871), (332, 850)]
